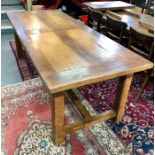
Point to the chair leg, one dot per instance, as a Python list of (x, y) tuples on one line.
[(146, 80)]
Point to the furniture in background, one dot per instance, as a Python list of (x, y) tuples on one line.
[(142, 22), (108, 5), (94, 19), (144, 6), (115, 29), (138, 39), (138, 3), (148, 7), (79, 3), (68, 55), (143, 45)]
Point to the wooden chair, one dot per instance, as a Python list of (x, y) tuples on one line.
[(144, 46), (115, 28), (94, 19)]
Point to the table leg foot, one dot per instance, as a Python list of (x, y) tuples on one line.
[(121, 96), (58, 118)]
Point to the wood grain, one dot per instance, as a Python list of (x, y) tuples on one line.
[(133, 13), (114, 15), (40, 21), (70, 56), (58, 117), (81, 124), (121, 96), (147, 22)]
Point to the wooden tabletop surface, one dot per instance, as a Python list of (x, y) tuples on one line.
[(29, 22), (72, 55), (109, 5), (142, 22)]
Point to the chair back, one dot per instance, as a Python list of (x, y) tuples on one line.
[(140, 39), (94, 18), (115, 27)]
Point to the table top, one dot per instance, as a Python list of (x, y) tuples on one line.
[(29, 22), (142, 22), (109, 5), (69, 57)]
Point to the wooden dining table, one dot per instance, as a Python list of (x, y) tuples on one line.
[(108, 5), (68, 55), (143, 23)]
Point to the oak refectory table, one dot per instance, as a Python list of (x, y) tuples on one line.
[(68, 55)]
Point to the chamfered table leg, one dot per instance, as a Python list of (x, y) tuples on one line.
[(58, 118), (121, 96), (18, 46)]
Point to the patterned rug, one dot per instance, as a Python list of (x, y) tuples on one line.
[(134, 132), (27, 128)]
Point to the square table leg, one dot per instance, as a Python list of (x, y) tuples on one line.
[(18, 46), (58, 118), (121, 96)]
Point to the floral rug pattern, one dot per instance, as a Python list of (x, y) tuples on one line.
[(27, 127), (136, 129)]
